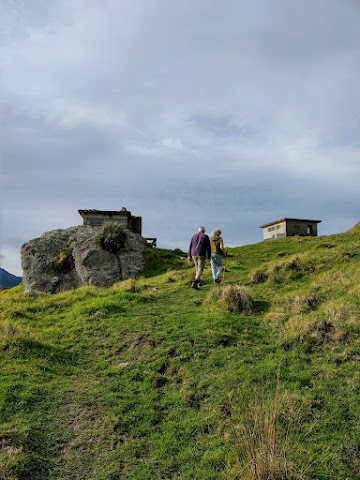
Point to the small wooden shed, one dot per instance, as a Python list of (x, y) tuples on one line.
[(123, 216), (288, 227)]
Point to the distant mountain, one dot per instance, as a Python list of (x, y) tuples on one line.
[(8, 280)]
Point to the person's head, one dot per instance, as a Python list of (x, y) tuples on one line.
[(217, 231), (202, 229)]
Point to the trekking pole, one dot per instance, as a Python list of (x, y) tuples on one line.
[(224, 268)]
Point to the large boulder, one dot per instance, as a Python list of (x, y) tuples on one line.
[(65, 259)]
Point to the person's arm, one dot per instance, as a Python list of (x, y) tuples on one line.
[(189, 252), (222, 248), (208, 247)]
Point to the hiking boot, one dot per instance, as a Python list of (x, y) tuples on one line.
[(217, 280), (195, 284)]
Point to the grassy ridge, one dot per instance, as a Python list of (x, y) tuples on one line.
[(150, 379)]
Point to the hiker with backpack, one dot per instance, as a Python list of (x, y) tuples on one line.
[(199, 249), (217, 254)]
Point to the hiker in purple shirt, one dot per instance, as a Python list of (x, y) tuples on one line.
[(199, 249)]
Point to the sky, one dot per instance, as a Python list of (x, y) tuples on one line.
[(224, 114)]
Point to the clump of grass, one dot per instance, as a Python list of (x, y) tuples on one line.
[(303, 316), (9, 333), (337, 322), (262, 446), (169, 277), (323, 331), (327, 245), (172, 276), (197, 302), (341, 312), (132, 286), (258, 276), (283, 270), (63, 262), (301, 303), (178, 251), (11, 457), (293, 264), (111, 237), (235, 298)]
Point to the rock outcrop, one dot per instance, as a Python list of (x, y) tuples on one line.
[(65, 259)]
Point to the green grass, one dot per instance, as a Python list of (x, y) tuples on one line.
[(150, 379)]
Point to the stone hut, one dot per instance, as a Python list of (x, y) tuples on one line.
[(288, 227), (123, 216)]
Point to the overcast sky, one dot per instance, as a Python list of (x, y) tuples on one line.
[(225, 114)]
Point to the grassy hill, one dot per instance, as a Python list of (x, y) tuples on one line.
[(150, 379)]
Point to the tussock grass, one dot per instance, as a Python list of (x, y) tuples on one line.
[(283, 269), (336, 322), (184, 277), (234, 298), (237, 299), (9, 333), (11, 458), (259, 275), (305, 316), (261, 441), (334, 281), (301, 303), (111, 237)]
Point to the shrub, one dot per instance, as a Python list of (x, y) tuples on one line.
[(111, 237)]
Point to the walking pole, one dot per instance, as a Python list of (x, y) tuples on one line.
[(224, 269)]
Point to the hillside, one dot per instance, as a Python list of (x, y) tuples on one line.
[(150, 379), (8, 280)]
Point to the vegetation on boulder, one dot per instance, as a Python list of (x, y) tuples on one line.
[(111, 237), (63, 261)]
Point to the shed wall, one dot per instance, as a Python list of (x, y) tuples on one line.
[(96, 219), (301, 228), (277, 230)]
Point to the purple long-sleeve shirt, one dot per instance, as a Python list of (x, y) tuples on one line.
[(200, 246)]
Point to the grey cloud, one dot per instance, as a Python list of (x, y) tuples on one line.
[(185, 113)]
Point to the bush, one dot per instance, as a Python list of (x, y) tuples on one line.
[(111, 237)]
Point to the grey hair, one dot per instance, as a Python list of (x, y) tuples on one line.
[(202, 229)]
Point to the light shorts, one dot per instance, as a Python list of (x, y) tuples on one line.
[(199, 263)]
